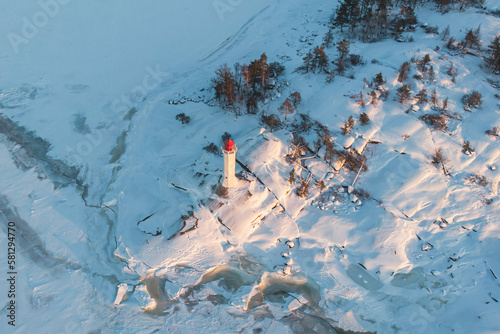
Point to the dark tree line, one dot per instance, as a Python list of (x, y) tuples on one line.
[(446, 5), (372, 18)]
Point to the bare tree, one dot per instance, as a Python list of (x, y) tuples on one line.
[(349, 124), (361, 99), (328, 39), (286, 107), (403, 71), (296, 99), (403, 94), (343, 48)]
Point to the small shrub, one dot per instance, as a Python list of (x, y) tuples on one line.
[(212, 148), (445, 104), (356, 59), (374, 97), (298, 148), (472, 100), (183, 118), (437, 121), (276, 69), (493, 132), (452, 71), (320, 184), (303, 125), (271, 121), (384, 95), (379, 80), (362, 194), (300, 143), (226, 136), (432, 30), (438, 158), (467, 148), (303, 188), (364, 119), (477, 179), (222, 192), (354, 161), (291, 176)]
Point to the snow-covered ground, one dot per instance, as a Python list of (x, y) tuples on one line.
[(119, 225)]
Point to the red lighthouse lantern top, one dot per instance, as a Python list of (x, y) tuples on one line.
[(229, 145)]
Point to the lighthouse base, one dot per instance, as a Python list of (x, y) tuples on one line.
[(229, 182)]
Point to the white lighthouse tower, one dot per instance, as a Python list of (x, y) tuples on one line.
[(229, 150)]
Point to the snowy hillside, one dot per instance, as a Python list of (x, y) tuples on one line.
[(371, 204)]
